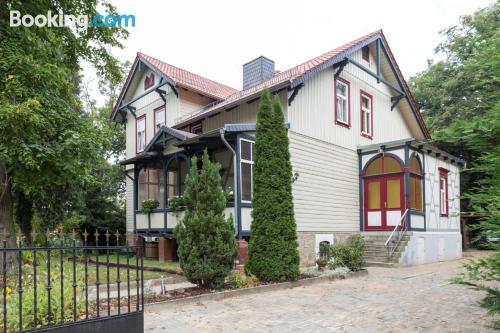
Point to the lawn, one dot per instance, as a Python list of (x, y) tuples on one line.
[(170, 265)]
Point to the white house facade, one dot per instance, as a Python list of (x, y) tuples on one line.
[(361, 154)]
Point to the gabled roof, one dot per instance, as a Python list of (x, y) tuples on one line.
[(186, 79)]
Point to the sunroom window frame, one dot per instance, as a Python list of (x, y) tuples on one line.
[(246, 161)]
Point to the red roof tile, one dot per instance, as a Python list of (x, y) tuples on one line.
[(190, 80)]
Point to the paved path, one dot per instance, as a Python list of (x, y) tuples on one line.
[(413, 299)]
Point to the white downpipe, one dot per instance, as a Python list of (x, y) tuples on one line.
[(235, 187)]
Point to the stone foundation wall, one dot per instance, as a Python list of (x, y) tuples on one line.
[(307, 244)]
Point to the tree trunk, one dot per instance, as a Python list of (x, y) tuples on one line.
[(24, 214), (6, 212)]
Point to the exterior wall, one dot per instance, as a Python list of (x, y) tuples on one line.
[(326, 195), (244, 113), (427, 247), (434, 220), (313, 111), (129, 202), (309, 244)]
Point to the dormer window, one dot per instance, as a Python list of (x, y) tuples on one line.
[(149, 81), (365, 53)]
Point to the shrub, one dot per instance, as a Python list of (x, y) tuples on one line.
[(350, 255), (272, 251), (207, 246), (237, 280)]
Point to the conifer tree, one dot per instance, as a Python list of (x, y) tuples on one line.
[(207, 246), (273, 253)]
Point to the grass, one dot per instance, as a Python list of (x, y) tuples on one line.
[(171, 265)]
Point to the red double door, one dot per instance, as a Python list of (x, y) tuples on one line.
[(383, 202)]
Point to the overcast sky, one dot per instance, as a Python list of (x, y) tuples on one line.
[(214, 38)]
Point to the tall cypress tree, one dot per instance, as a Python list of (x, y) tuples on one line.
[(273, 253), (207, 246)]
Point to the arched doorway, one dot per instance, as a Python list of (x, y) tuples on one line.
[(383, 193)]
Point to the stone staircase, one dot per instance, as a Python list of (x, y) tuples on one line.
[(376, 253)]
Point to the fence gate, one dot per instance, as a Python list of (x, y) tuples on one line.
[(67, 285)]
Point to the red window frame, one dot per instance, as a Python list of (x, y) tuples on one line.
[(337, 121), (365, 53), (149, 81), (160, 108), (137, 151), (443, 174), (370, 97)]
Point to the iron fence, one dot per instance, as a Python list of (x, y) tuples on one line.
[(68, 283)]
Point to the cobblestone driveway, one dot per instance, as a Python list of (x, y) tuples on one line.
[(413, 299)]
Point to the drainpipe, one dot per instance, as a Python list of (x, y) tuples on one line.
[(235, 189)]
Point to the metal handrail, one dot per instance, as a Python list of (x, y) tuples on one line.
[(398, 233)]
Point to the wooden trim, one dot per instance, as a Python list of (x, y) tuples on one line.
[(337, 121), (370, 97), (137, 151)]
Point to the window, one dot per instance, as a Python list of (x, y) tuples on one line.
[(365, 53), (443, 191), (149, 81), (160, 117), (140, 128), (416, 184), (225, 158), (366, 115), (383, 165), (246, 161), (342, 108), (196, 128), (151, 184), (176, 174)]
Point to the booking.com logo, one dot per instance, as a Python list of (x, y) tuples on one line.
[(79, 22)]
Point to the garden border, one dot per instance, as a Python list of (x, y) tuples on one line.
[(218, 296)]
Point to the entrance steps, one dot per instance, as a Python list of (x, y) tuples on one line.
[(376, 252)]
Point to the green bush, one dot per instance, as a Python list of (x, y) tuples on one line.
[(207, 246), (350, 255), (147, 206), (272, 251), (237, 280)]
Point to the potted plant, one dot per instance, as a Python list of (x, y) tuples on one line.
[(147, 207)]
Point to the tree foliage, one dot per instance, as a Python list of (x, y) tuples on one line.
[(273, 253), (49, 146), (459, 98), (207, 246)]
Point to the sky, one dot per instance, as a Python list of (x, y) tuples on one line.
[(215, 38)]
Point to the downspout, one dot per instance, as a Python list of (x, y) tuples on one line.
[(235, 189)]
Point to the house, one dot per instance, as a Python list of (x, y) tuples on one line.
[(362, 157)]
